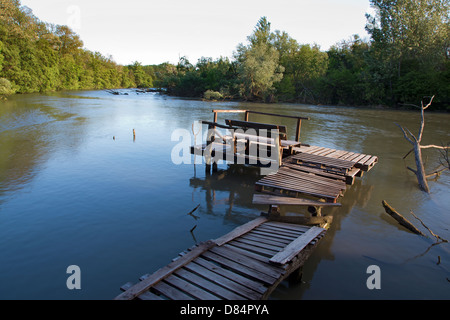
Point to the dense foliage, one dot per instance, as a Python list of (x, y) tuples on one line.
[(406, 59), (36, 56)]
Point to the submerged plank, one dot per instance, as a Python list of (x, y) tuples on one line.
[(279, 200)]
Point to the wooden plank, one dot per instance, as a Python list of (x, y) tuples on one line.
[(240, 231), (143, 296), (267, 239), (280, 231), (228, 111), (171, 292), (317, 171), (271, 235), (260, 244), (296, 246), (240, 268), (237, 256), (291, 226), (256, 125), (249, 283), (311, 177), (278, 115), (145, 284), (301, 189), (208, 285), (257, 250), (220, 280), (278, 200), (188, 287), (264, 241)]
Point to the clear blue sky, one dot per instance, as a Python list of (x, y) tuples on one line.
[(153, 32)]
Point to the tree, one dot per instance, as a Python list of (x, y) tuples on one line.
[(259, 69), (258, 64), (408, 36), (417, 148)]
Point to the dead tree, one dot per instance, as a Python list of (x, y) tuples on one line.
[(417, 148)]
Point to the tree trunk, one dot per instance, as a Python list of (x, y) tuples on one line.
[(420, 172)]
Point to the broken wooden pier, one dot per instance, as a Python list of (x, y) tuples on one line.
[(250, 261), (246, 264)]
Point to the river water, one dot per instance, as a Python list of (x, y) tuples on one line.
[(76, 188)]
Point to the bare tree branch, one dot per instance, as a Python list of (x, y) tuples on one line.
[(422, 122), (434, 146), (405, 134), (432, 233)]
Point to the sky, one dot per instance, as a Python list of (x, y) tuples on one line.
[(153, 32)]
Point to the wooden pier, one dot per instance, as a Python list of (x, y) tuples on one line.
[(302, 170), (249, 262), (246, 264)]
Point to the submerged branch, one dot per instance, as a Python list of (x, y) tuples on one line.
[(432, 233), (400, 219)]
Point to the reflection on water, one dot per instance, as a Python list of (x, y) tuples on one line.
[(77, 187)]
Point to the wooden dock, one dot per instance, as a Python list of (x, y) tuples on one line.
[(318, 172), (249, 262), (245, 264)]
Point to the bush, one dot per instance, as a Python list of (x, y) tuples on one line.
[(212, 95), (5, 87)]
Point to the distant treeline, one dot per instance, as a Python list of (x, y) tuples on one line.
[(407, 58)]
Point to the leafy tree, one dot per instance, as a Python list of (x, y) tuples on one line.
[(408, 36), (258, 64)]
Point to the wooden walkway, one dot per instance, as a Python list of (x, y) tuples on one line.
[(245, 264)]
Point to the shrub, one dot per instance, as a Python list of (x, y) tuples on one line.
[(5, 87), (212, 95)]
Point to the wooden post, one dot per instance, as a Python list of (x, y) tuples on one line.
[(246, 115), (299, 127)]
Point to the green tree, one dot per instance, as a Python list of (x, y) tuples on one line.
[(259, 64), (408, 36)]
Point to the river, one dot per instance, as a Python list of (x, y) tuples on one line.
[(76, 188)]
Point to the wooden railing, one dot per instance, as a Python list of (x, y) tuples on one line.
[(247, 113)]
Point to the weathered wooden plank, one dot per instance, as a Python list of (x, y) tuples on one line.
[(240, 231), (264, 238), (323, 222), (143, 296), (279, 200), (249, 283), (277, 231), (300, 228), (208, 285), (317, 171), (171, 292), (296, 246), (275, 245), (145, 284), (258, 250), (276, 185), (229, 263), (258, 244), (237, 256), (272, 235), (250, 254), (220, 280), (188, 287)]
